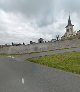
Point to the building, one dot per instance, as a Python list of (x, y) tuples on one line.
[(53, 40), (15, 44), (31, 42), (41, 40), (78, 34), (69, 30)]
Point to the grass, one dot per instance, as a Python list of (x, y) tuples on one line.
[(10, 54), (3, 54), (33, 53), (63, 49), (69, 61)]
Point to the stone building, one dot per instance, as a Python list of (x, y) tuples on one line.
[(53, 40), (78, 34), (31, 42), (41, 40), (69, 30)]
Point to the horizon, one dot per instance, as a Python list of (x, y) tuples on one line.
[(25, 21)]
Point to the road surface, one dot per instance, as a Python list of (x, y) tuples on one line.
[(18, 76)]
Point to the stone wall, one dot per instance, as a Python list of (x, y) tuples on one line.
[(40, 47)]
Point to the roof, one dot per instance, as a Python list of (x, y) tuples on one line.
[(69, 22)]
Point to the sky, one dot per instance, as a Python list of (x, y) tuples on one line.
[(28, 20)]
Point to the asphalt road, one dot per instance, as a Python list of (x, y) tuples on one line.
[(29, 77)]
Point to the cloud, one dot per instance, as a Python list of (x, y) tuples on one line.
[(40, 9), (15, 27), (25, 20)]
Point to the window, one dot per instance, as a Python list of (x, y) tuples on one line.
[(67, 30)]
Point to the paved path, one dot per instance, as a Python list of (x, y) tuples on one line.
[(29, 77), (34, 55)]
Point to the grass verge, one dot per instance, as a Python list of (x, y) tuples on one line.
[(10, 54), (69, 61)]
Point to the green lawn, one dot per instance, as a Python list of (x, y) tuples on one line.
[(69, 61)]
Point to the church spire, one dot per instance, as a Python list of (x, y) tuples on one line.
[(69, 21), (69, 16)]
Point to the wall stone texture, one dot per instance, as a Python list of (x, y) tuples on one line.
[(40, 47)]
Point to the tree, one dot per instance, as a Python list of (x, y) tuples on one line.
[(57, 36), (12, 44), (23, 43)]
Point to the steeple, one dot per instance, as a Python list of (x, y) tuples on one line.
[(69, 22), (69, 30)]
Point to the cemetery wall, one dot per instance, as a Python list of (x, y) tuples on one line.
[(39, 47)]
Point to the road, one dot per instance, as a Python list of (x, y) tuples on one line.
[(29, 77)]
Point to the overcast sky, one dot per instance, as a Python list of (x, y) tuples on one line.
[(25, 20)]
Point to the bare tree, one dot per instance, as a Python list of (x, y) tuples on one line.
[(57, 37)]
